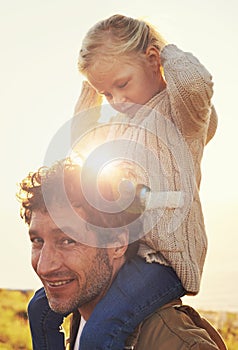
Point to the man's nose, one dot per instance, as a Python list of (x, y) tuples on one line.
[(49, 261)]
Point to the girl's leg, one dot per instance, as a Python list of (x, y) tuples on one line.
[(139, 289)]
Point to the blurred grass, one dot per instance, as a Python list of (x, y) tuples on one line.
[(14, 330), (15, 333), (14, 327)]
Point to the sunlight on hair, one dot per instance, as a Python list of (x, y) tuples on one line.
[(77, 158)]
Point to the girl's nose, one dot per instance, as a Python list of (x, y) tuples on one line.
[(119, 103), (119, 98)]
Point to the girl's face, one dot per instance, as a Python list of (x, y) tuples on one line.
[(126, 82)]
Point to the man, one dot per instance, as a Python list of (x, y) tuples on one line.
[(77, 251)]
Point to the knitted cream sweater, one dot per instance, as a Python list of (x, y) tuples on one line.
[(167, 137)]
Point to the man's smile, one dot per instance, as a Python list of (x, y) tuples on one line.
[(58, 283)]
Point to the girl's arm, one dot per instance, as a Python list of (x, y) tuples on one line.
[(86, 112), (212, 125), (86, 130), (88, 98), (190, 89)]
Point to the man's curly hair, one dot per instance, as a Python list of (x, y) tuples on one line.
[(59, 184)]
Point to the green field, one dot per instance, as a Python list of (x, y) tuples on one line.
[(15, 334)]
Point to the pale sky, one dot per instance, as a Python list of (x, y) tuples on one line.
[(39, 85)]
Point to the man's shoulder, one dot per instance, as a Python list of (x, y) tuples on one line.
[(175, 327)]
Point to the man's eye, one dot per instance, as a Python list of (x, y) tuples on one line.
[(37, 241), (68, 241)]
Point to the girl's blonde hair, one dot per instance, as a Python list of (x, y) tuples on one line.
[(115, 36)]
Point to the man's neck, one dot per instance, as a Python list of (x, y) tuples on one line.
[(86, 309)]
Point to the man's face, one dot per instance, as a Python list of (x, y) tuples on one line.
[(72, 273)]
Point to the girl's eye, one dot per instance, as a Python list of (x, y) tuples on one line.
[(121, 86)]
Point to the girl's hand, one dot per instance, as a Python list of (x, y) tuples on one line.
[(88, 98)]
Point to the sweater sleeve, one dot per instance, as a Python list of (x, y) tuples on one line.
[(86, 113), (190, 90), (212, 127)]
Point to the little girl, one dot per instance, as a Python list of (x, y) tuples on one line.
[(164, 95)]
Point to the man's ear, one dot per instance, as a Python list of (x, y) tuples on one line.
[(121, 244), (153, 58)]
